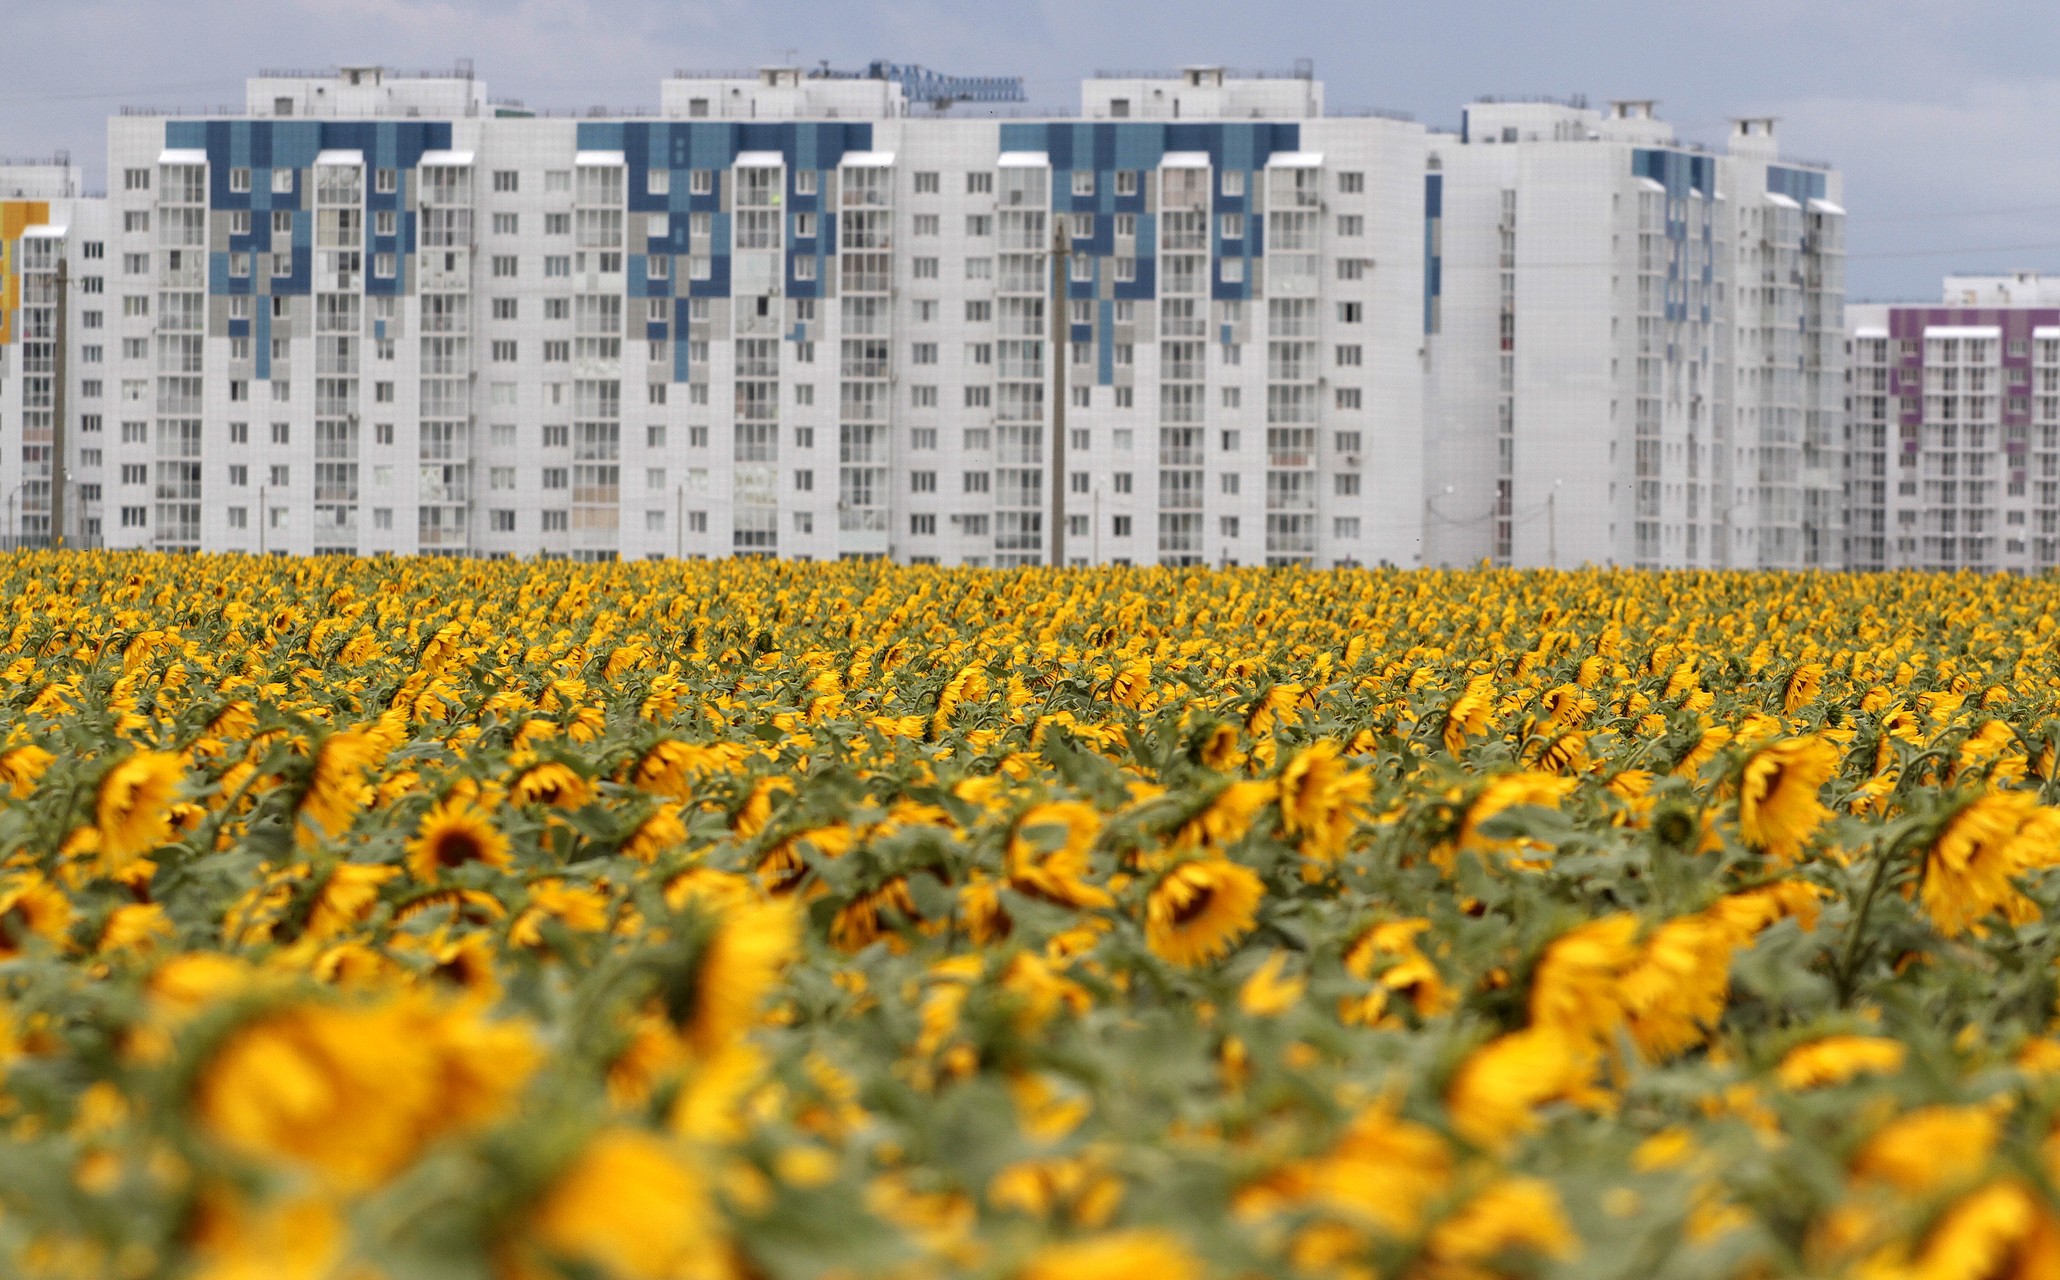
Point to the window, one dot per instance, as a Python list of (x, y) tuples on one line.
[(1083, 182), (1348, 397), (979, 397), (239, 181), (922, 397), (1083, 226), (1229, 441), (505, 224), (1233, 397), (557, 224), (1345, 528), (701, 182), (382, 433), (804, 224), (1345, 484), (282, 222), (1347, 442), (979, 224), (804, 393), (135, 180), (385, 182), (1126, 270), (1233, 182), (504, 308), (135, 473), (500, 479), (239, 476), (1120, 481), (501, 521), (805, 182), (1233, 225), (382, 393), (924, 353), (1233, 270), (138, 264), (507, 181), (282, 433), (1119, 526), (132, 517), (926, 310), (1351, 184), (658, 182), (804, 437), (1126, 181), (282, 181), (975, 481), (922, 481), (136, 220), (924, 268), (654, 436), (926, 224), (557, 308), (1351, 268), (1227, 526), (385, 265), (503, 352), (979, 184), (804, 267), (1351, 224), (281, 476), (1230, 482), (922, 525), (557, 265), (1348, 356), (135, 433), (926, 184), (1351, 312), (980, 312)]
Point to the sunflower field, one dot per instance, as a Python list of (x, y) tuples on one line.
[(398, 920)]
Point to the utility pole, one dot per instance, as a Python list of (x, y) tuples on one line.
[(261, 519), (1061, 350), (61, 404), (1552, 525), (679, 523)]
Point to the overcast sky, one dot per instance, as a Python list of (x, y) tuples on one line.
[(1942, 116)]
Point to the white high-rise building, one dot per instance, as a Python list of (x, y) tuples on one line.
[(58, 353), (1955, 426), (1636, 354), (785, 315)]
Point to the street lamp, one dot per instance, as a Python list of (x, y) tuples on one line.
[(13, 531)]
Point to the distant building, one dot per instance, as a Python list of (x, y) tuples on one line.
[(782, 316), (1955, 426), (50, 234), (1636, 354)]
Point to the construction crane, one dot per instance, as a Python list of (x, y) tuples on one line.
[(924, 85)]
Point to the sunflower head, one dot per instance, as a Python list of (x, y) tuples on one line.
[(455, 834), (1200, 909)]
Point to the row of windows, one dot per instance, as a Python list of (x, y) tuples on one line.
[(658, 181)]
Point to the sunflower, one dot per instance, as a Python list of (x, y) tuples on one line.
[(133, 808), (1056, 875), (627, 1205), (453, 834), (1117, 1255), (1471, 713), (1969, 868), (336, 783), (31, 907), (1498, 1088), (1199, 910), (1506, 1216), (21, 767), (1322, 800), (1778, 805), (1837, 1059), (654, 835), (738, 968), (551, 784)]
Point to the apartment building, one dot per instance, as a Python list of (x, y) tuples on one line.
[(784, 316), (1955, 428), (58, 353), (1635, 344)]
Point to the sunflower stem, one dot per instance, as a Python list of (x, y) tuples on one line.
[(1849, 961)]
